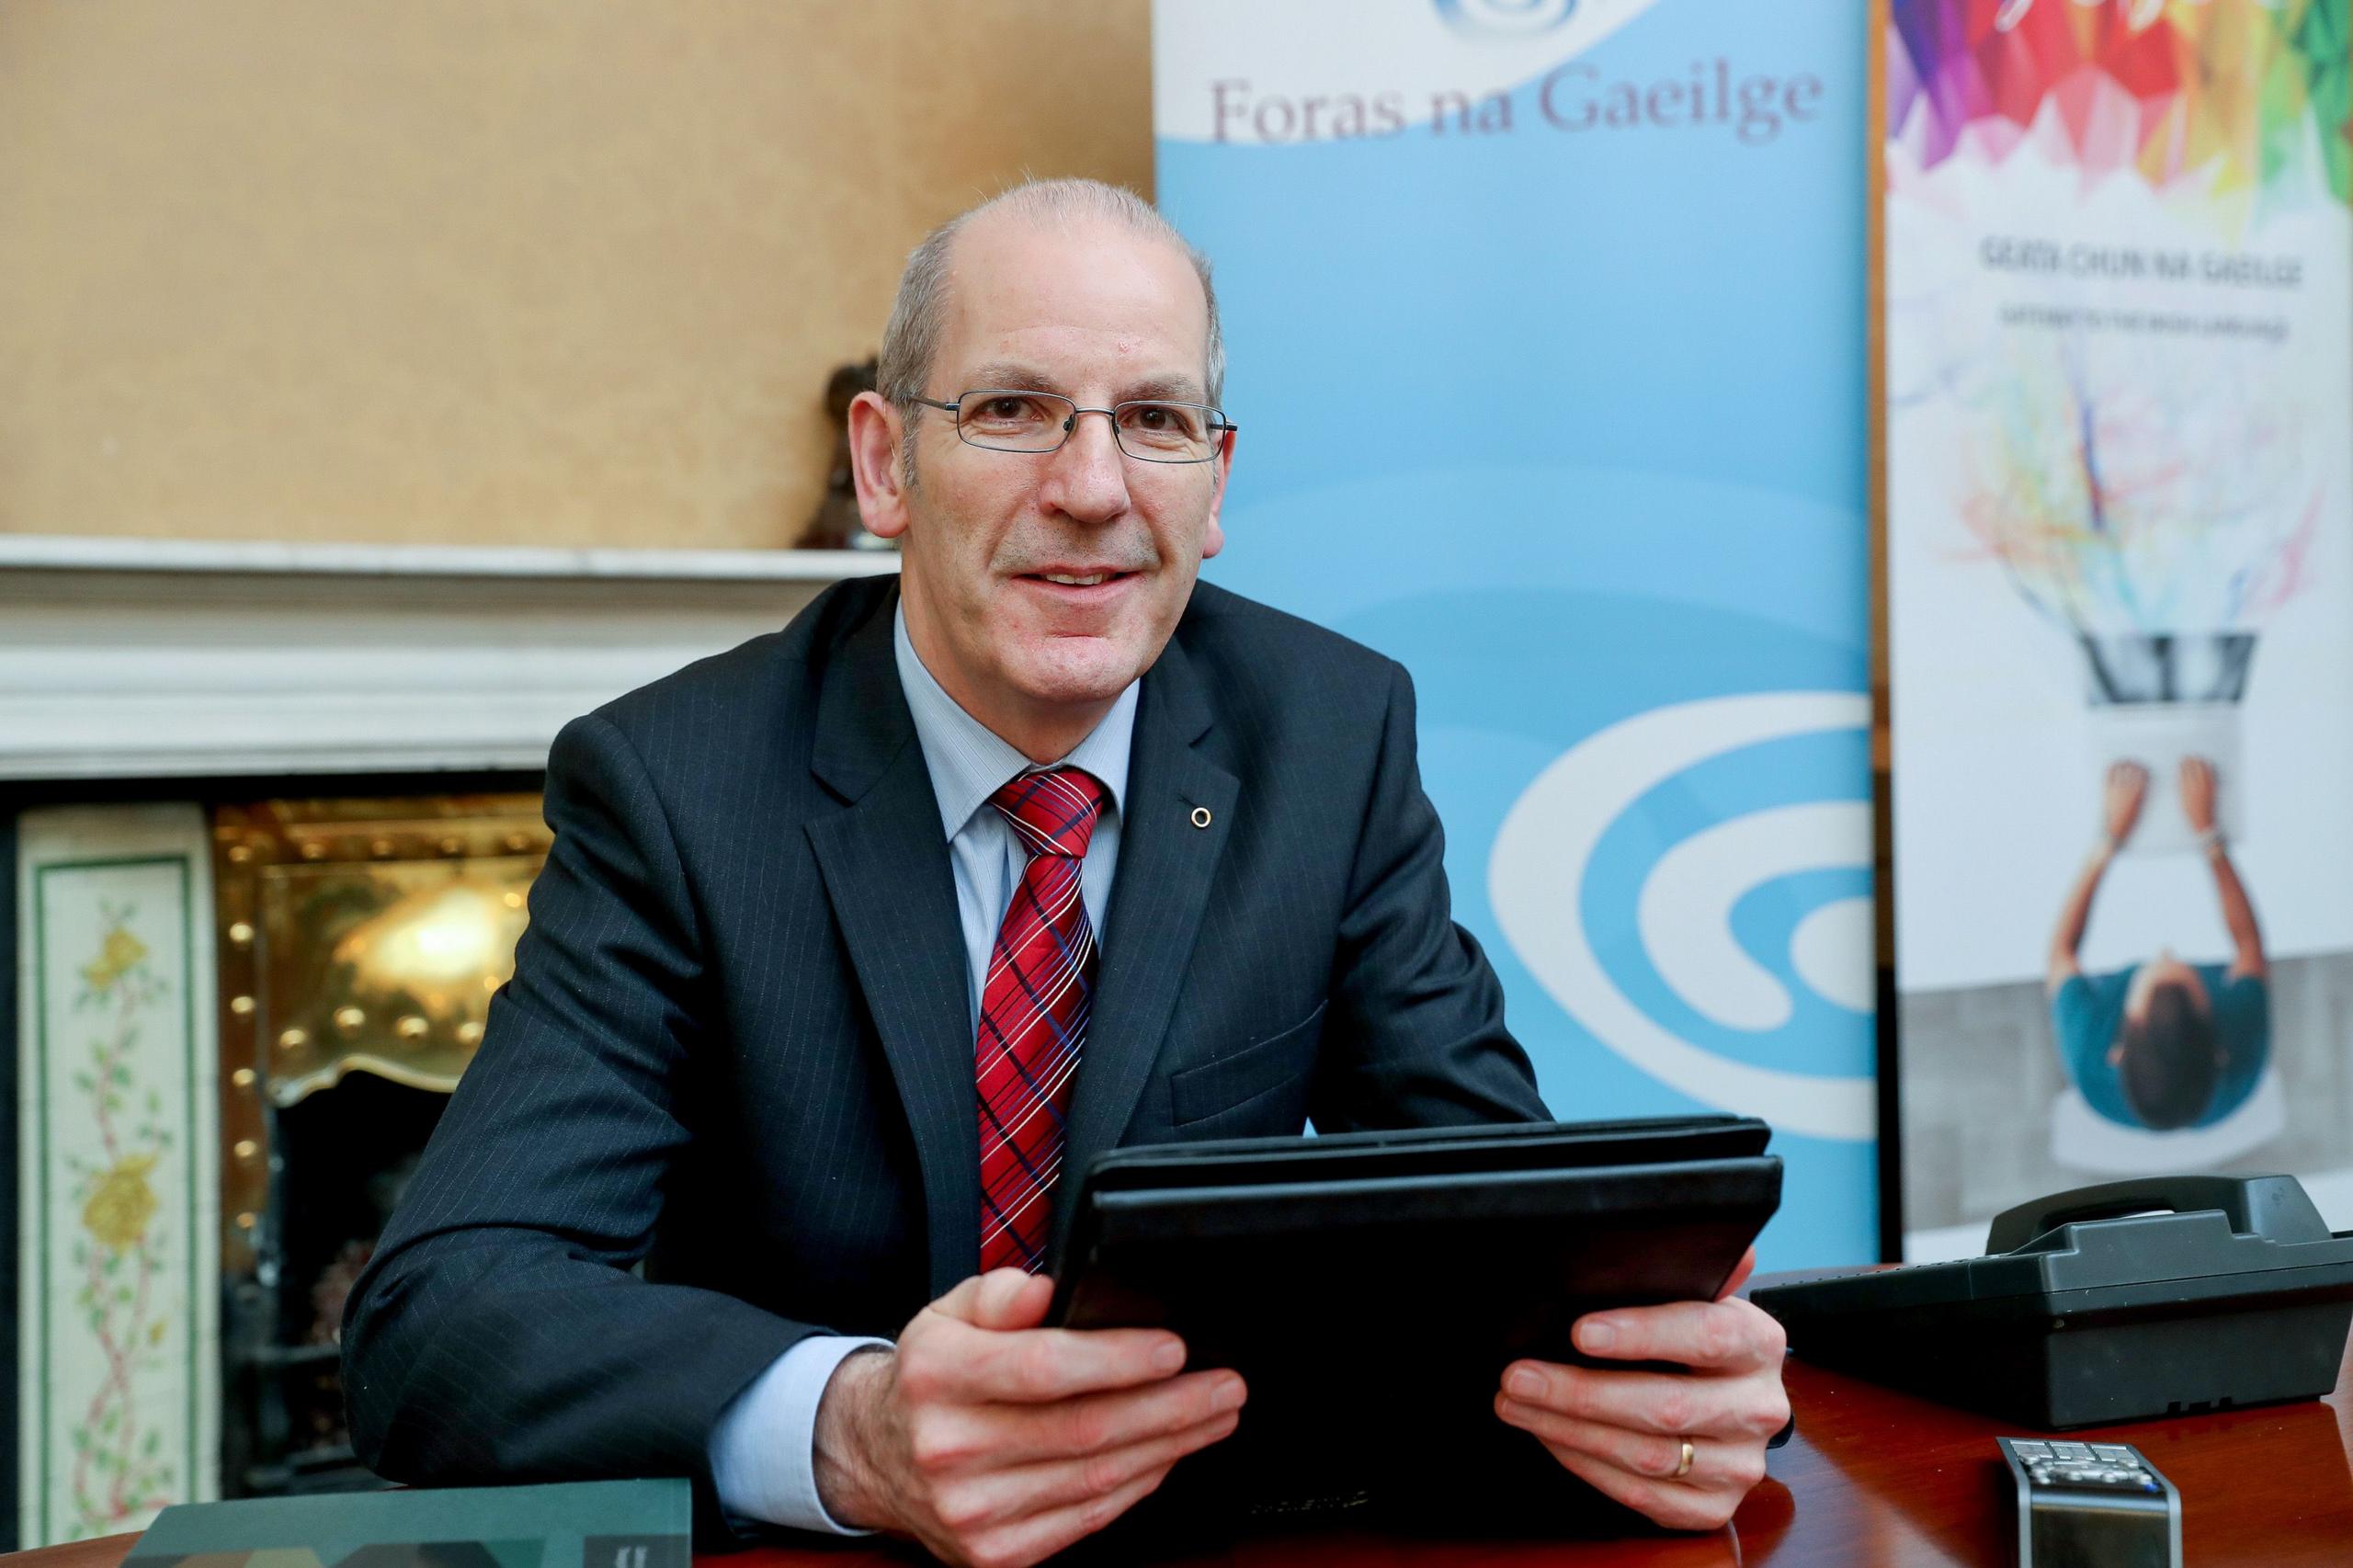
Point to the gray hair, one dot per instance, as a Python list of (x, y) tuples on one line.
[(911, 340)]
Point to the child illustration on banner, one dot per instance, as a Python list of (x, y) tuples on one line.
[(2162, 1044)]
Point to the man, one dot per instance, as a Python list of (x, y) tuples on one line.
[(2162, 1044), (811, 1015)]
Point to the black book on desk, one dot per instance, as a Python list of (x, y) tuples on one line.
[(1371, 1286), (591, 1524)]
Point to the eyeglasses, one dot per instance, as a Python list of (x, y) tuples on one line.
[(1003, 419)]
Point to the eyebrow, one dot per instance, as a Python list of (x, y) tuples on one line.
[(1014, 376)]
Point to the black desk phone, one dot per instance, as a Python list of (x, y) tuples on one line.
[(2125, 1301)]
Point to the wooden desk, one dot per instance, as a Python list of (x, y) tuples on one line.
[(1873, 1477)]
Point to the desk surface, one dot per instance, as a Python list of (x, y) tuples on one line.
[(1873, 1477)]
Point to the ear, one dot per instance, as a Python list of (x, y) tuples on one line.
[(2115, 1054), (1221, 466), (877, 428)]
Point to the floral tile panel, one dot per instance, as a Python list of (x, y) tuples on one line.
[(119, 1168)]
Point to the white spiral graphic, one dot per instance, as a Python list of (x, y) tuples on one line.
[(1684, 912), (1506, 18)]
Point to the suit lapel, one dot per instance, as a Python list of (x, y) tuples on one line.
[(886, 870), (1166, 864)]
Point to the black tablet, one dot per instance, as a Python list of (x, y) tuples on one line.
[(1371, 1286)]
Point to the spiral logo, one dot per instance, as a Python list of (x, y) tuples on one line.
[(1506, 18), (1669, 917)]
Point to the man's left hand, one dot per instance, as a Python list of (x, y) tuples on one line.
[(1624, 1431)]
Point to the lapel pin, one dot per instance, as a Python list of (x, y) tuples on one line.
[(1200, 816)]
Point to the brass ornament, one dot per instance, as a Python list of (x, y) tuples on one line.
[(383, 928), (358, 936)]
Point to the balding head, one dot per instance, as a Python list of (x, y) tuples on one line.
[(919, 316)]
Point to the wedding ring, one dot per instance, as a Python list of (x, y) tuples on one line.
[(1685, 1467)]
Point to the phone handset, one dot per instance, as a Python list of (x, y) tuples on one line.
[(2274, 1206)]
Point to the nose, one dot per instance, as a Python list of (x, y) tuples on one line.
[(1086, 477)]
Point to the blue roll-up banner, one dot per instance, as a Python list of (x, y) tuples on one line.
[(1546, 321)]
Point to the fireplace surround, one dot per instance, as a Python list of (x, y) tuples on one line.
[(191, 736)]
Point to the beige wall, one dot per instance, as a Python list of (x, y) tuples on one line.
[(499, 271)]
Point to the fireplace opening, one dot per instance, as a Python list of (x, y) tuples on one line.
[(359, 942), (342, 1157)]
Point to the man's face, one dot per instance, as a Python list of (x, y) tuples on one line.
[(1101, 315)]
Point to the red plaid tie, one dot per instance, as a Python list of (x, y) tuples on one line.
[(1033, 1013)]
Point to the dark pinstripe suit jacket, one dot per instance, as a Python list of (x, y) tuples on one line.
[(737, 1045)]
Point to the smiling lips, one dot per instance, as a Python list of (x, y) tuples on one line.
[(1077, 579)]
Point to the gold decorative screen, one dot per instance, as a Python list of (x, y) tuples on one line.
[(357, 936)]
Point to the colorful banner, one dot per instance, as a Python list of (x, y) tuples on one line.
[(2119, 384), (1547, 329)]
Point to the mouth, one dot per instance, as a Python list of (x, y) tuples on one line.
[(1100, 582)]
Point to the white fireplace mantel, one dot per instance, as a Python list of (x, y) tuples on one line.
[(148, 658)]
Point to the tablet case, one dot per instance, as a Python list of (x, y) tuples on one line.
[(1371, 1286)]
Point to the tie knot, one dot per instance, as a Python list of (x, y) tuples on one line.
[(1054, 811)]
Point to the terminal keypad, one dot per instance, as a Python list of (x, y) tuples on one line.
[(2107, 1466)]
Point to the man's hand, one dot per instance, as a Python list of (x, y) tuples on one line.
[(2197, 793), (995, 1442), (1624, 1431), (2121, 799)]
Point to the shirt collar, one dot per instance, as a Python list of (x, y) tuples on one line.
[(969, 762)]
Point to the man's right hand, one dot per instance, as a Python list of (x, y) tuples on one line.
[(2197, 793), (995, 1442)]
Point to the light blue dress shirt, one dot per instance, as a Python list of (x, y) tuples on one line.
[(763, 1457)]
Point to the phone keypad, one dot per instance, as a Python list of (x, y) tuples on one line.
[(2108, 1467)]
